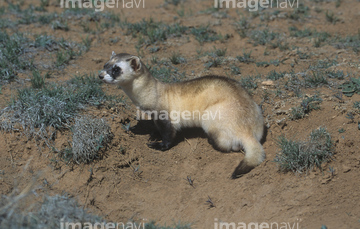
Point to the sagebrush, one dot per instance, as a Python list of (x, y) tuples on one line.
[(302, 156)]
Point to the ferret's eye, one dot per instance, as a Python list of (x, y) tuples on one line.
[(116, 70)]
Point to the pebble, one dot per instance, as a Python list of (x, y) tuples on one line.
[(346, 169)]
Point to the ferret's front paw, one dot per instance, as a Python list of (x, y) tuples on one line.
[(158, 146), (155, 136)]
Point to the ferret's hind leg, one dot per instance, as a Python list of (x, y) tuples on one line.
[(220, 140)]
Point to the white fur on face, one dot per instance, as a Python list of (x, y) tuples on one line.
[(107, 78), (125, 66), (125, 76)]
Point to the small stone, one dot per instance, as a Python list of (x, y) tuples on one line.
[(339, 51), (281, 122), (268, 83), (28, 145), (325, 179), (346, 169), (97, 60), (231, 59), (281, 112), (205, 59), (282, 15)]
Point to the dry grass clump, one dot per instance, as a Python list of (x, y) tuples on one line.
[(89, 135), (20, 210), (49, 213), (39, 113)]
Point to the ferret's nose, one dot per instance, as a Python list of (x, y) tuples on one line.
[(101, 75)]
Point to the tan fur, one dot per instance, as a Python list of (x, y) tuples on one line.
[(239, 124)]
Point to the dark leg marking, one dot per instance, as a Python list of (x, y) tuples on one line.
[(167, 134)]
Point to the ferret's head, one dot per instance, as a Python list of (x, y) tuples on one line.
[(121, 69)]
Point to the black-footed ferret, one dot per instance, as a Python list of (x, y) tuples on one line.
[(219, 105)]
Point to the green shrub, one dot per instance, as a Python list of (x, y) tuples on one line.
[(174, 2), (176, 58), (307, 105), (299, 11), (152, 225), (42, 112), (336, 74), (274, 75), (37, 81), (242, 26), (152, 32), (302, 156), (235, 70), (11, 49), (317, 78), (267, 63), (262, 37), (248, 82), (214, 62), (245, 58), (167, 74), (351, 87), (350, 42), (357, 105), (330, 17), (220, 52), (204, 34)]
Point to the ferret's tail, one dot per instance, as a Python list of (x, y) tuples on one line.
[(254, 155)]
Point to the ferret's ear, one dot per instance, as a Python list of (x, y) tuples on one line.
[(112, 54), (135, 63)]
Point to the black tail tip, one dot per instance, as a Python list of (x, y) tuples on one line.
[(241, 169)]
